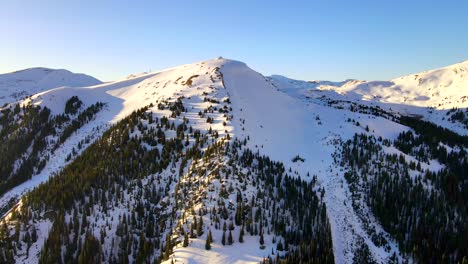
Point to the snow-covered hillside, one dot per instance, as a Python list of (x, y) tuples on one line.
[(19, 84), (121, 98), (441, 89), (305, 126), (434, 95), (283, 127)]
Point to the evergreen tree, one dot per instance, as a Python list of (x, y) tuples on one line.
[(91, 252), (223, 239), (209, 239), (192, 233), (241, 235), (186, 240), (200, 227), (262, 241), (168, 248), (230, 239)]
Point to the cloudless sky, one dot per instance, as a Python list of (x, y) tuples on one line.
[(328, 40)]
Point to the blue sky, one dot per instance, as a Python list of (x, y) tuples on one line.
[(330, 40)]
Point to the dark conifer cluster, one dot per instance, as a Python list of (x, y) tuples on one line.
[(424, 210), (131, 197), (458, 115), (269, 203), (29, 134)]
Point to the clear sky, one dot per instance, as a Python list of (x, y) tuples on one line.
[(328, 39)]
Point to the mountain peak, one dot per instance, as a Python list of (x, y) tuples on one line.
[(220, 61)]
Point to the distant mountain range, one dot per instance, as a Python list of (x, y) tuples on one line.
[(19, 84)]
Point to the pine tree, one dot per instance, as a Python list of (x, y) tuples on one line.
[(168, 250), (279, 246), (209, 239), (200, 227), (186, 240), (91, 252), (262, 241), (34, 235), (230, 240), (192, 233), (241, 234), (239, 212), (223, 239)]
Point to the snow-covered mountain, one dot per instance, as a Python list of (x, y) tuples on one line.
[(23, 83), (434, 95), (443, 88), (255, 167)]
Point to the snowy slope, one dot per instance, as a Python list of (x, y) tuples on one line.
[(278, 120), (283, 127), (298, 88), (19, 84), (443, 88), (121, 98), (429, 95)]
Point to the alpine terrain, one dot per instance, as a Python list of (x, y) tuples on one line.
[(212, 162), (19, 84)]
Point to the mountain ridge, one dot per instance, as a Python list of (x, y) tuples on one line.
[(438, 95), (26, 82)]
